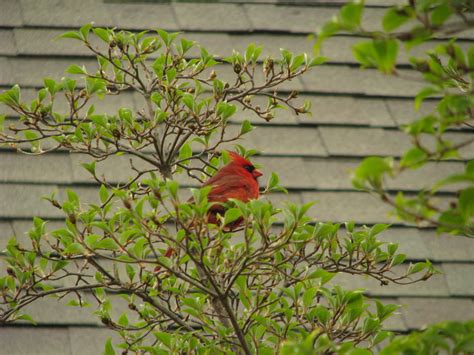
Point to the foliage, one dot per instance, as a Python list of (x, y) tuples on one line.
[(442, 338), (244, 291), (449, 337), (448, 73)]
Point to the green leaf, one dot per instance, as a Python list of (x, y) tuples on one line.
[(231, 215), (317, 61), (76, 69), (370, 324), (322, 314), (440, 14), (370, 172), (90, 167), (123, 320), (309, 296), (107, 243), (171, 74), (322, 274), (297, 61), (95, 85), (109, 349), (414, 158), (246, 127), (380, 53), (71, 34), (85, 31), (26, 317), (398, 259), (185, 153), (172, 187), (103, 193), (378, 228), (102, 33), (387, 51), (470, 168), (393, 19), (91, 240), (188, 100), (466, 202), (11, 97), (51, 85), (164, 338), (423, 94), (225, 110), (350, 15), (74, 248), (414, 268)]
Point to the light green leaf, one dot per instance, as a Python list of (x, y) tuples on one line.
[(109, 349)]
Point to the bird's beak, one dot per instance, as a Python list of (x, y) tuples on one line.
[(256, 173)]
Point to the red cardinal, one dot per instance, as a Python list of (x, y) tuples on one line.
[(236, 180)]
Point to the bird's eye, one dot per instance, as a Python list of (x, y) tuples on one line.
[(249, 168)]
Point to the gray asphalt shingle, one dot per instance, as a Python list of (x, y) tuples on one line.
[(7, 40), (309, 153), (364, 141), (139, 16), (10, 16), (339, 110), (67, 13), (209, 17), (336, 174), (351, 80), (347, 206), (460, 278), (286, 140), (420, 312), (21, 201), (35, 341), (46, 41), (409, 242), (73, 14), (90, 341), (448, 247), (54, 168)]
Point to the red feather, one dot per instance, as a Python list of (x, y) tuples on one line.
[(237, 180)]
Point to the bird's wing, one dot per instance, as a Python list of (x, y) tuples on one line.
[(227, 187)]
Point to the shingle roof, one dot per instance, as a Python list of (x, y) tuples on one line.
[(355, 113)]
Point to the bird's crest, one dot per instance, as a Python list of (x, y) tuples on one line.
[(237, 158)]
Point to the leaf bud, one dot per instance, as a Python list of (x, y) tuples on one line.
[(56, 204), (422, 66), (451, 51), (301, 109), (237, 68), (105, 320), (268, 116), (212, 76), (157, 193), (72, 218), (268, 66), (127, 204), (293, 94)]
